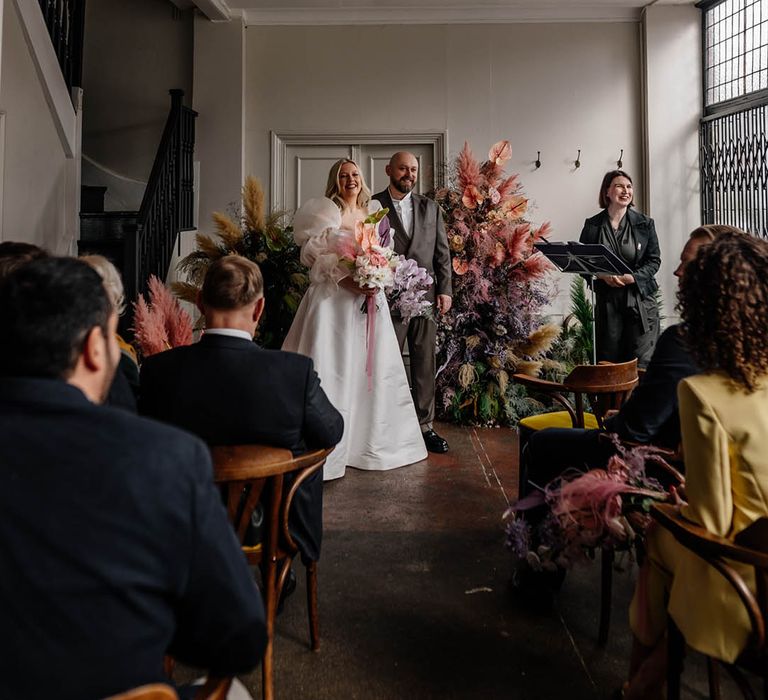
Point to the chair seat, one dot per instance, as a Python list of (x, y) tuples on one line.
[(556, 419)]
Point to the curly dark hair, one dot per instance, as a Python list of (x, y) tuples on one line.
[(723, 302)]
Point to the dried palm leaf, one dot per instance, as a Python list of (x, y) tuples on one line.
[(185, 291)]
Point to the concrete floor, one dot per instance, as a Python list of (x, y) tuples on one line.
[(414, 600)]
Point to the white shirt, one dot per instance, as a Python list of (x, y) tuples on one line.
[(404, 208), (230, 332)]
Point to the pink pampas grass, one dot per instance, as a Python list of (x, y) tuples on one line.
[(160, 324)]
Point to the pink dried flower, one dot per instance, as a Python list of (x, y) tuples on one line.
[(162, 324), (468, 170), (500, 152), (471, 197)]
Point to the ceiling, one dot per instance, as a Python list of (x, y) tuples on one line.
[(311, 12)]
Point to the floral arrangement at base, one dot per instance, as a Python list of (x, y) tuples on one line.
[(263, 239), (160, 323), (496, 325), (600, 508)]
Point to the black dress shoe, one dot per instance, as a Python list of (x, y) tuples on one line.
[(434, 442)]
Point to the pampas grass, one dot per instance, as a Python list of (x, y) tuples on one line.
[(161, 323)]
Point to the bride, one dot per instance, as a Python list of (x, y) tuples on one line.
[(381, 430)]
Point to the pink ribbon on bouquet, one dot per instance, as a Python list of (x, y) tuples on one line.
[(370, 339)]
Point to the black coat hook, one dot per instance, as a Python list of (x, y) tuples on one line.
[(538, 159), (619, 162), (577, 162)]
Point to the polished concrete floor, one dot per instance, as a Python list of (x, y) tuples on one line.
[(414, 599)]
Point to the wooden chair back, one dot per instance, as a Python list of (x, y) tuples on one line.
[(152, 691), (605, 386), (253, 473), (749, 547)]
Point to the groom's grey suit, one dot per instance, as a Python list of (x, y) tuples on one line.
[(428, 246)]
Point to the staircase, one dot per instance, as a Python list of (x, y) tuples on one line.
[(140, 243)]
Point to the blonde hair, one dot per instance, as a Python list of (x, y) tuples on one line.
[(333, 188), (113, 283)]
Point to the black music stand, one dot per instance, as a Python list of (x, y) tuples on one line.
[(588, 259)]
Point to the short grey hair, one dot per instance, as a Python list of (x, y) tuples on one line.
[(113, 283)]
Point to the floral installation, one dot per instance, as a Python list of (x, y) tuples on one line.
[(263, 239), (496, 325), (600, 508), (160, 323)]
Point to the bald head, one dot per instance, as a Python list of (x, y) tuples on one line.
[(403, 170)]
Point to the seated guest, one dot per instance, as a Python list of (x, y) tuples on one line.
[(14, 254), (115, 548), (228, 390), (723, 300), (125, 387), (650, 414)]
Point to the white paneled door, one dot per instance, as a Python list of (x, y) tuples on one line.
[(300, 164)]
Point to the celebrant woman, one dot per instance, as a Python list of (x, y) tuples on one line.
[(626, 313), (361, 370)]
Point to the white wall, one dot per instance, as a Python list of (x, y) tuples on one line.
[(134, 53), (674, 98), (553, 88), (219, 138), (39, 200)]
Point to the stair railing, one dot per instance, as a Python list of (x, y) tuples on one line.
[(168, 204), (65, 20)]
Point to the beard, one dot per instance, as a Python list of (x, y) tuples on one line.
[(403, 185)]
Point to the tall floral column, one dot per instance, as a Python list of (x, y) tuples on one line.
[(496, 326)]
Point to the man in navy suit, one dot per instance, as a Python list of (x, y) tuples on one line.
[(115, 548), (228, 390)]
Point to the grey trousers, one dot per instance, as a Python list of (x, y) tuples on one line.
[(420, 334)]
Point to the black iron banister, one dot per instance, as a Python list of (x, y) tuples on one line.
[(168, 203), (65, 20)]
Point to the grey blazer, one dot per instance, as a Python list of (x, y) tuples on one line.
[(428, 245)]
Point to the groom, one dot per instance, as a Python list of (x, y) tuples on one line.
[(419, 234)]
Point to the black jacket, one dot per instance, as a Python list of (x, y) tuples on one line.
[(115, 549), (650, 415), (649, 259), (230, 391)]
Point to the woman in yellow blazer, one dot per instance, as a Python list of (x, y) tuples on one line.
[(723, 300)]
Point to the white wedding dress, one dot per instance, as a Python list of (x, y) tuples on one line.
[(381, 430)]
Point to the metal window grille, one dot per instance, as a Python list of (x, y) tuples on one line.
[(734, 169), (735, 50)]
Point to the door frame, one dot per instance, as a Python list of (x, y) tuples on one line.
[(281, 140)]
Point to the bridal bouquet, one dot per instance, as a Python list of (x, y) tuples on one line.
[(376, 266)]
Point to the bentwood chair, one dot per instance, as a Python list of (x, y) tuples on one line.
[(212, 689), (749, 547), (603, 388), (153, 691), (254, 473)]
